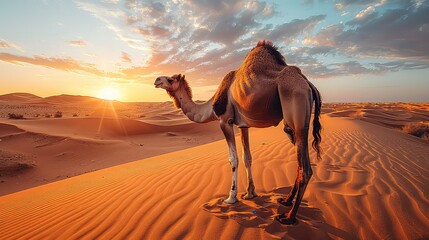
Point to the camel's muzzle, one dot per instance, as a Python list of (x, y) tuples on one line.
[(158, 83)]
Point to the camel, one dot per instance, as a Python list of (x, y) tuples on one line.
[(263, 91)]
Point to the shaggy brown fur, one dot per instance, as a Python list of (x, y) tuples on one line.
[(220, 99), (298, 70), (182, 84), (273, 50)]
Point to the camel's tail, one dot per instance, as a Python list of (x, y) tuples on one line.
[(317, 127)]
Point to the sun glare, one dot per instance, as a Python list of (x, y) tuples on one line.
[(109, 93)]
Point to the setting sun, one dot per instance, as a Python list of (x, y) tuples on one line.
[(108, 93)]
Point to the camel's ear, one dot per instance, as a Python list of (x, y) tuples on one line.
[(179, 77), (183, 77)]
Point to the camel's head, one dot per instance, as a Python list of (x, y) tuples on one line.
[(171, 84)]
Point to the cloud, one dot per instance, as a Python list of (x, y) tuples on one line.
[(153, 31), (307, 59), (144, 74), (209, 72), (113, 18), (287, 32), (126, 57), (57, 63), (111, 1), (6, 44), (343, 4), (397, 33), (399, 65), (203, 38), (370, 9), (77, 43), (326, 37), (206, 39), (402, 35)]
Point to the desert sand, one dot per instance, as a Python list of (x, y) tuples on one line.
[(372, 181), (40, 149)]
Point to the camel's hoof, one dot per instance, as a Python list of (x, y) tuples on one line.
[(284, 203), (247, 196), (230, 200), (285, 220)]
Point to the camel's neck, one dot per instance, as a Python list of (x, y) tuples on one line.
[(196, 112)]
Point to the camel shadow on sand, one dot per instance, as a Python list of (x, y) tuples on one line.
[(260, 211)]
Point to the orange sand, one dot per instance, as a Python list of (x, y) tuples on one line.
[(372, 183), (39, 150)]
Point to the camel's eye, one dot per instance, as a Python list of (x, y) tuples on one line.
[(170, 81)]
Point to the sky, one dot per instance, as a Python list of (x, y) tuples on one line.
[(352, 50)]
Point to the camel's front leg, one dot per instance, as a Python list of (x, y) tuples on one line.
[(228, 131), (247, 159)]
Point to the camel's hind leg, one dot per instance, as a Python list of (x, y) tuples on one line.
[(228, 131), (288, 200), (247, 159), (296, 109)]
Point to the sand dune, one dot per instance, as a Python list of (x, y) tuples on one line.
[(71, 99), (394, 115), (19, 97), (60, 99), (371, 184), (91, 134), (36, 152), (106, 127)]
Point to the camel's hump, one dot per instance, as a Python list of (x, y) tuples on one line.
[(264, 42), (272, 50)]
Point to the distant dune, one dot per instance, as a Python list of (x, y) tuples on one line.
[(394, 115), (61, 99), (70, 99), (104, 128), (19, 97)]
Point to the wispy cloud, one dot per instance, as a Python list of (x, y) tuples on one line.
[(126, 57), (343, 4), (77, 43), (68, 64), (4, 44), (7, 44), (64, 64), (370, 9), (113, 18)]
